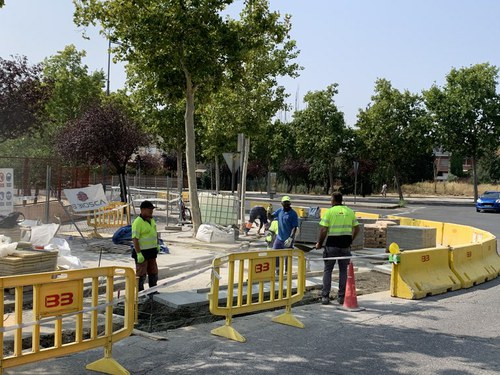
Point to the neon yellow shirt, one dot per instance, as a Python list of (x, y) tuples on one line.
[(145, 232)]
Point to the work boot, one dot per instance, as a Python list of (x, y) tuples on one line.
[(152, 280), (325, 300), (141, 282)]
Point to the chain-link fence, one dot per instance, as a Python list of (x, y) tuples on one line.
[(37, 189), (38, 192)]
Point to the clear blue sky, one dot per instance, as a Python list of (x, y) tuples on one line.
[(351, 42)]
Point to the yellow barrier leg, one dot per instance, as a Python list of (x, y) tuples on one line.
[(94, 234), (228, 332), (288, 319), (107, 365)]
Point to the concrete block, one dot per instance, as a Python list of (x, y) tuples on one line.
[(187, 298), (411, 238)]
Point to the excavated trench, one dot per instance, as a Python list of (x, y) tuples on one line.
[(156, 317)]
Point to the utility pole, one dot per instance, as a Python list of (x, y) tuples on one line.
[(109, 67)]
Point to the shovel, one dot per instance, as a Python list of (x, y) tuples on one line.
[(304, 248)]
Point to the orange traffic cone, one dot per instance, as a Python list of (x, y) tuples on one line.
[(350, 298)]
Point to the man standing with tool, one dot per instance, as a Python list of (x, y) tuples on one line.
[(341, 226), (146, 247), (288, 222)]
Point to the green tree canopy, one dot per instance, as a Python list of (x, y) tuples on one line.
[(247, 104), (395, 128), (319, 133), (74, 88), (180, 47), (466, 112)]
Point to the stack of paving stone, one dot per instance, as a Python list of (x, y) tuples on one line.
[(309, 233), (375, 235), (411, 238), (28, 261), (13, 233), (363, 220), (359, 241)]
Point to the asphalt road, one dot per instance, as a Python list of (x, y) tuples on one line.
[(489, 222)]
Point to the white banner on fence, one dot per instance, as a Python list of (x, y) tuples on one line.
[(6, 191), (86, 199)]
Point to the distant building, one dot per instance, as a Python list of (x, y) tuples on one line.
[(441, 164), (467, 165)]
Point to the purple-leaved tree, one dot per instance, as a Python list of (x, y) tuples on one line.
[(22, 98), (102, 132)]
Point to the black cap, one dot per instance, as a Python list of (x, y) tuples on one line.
[(147, 204)]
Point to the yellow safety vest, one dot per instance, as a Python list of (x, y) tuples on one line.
[(273, 229), (145, 232), (340, 220)]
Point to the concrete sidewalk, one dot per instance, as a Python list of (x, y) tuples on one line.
[(372, 201)]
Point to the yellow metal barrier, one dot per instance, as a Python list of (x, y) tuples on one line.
[(114, 215), (59, 299), (421, 273), (301, 211), (166, 195), (255, 272), (322, 211)]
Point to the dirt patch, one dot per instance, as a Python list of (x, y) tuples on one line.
[(156, 317)]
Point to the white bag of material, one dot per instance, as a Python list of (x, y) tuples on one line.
[(213, 234), (59, 244), (69, 262), (204, 233), (4, 239), (42, 234), (7, 249), (223, 235)]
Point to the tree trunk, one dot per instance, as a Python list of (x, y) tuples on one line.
[(246, 150), (217, 175), (437, 164), (180, 178), (190, 155), (330, 178), (123, 186), (397, 181), (474, 174), (180, 170)]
